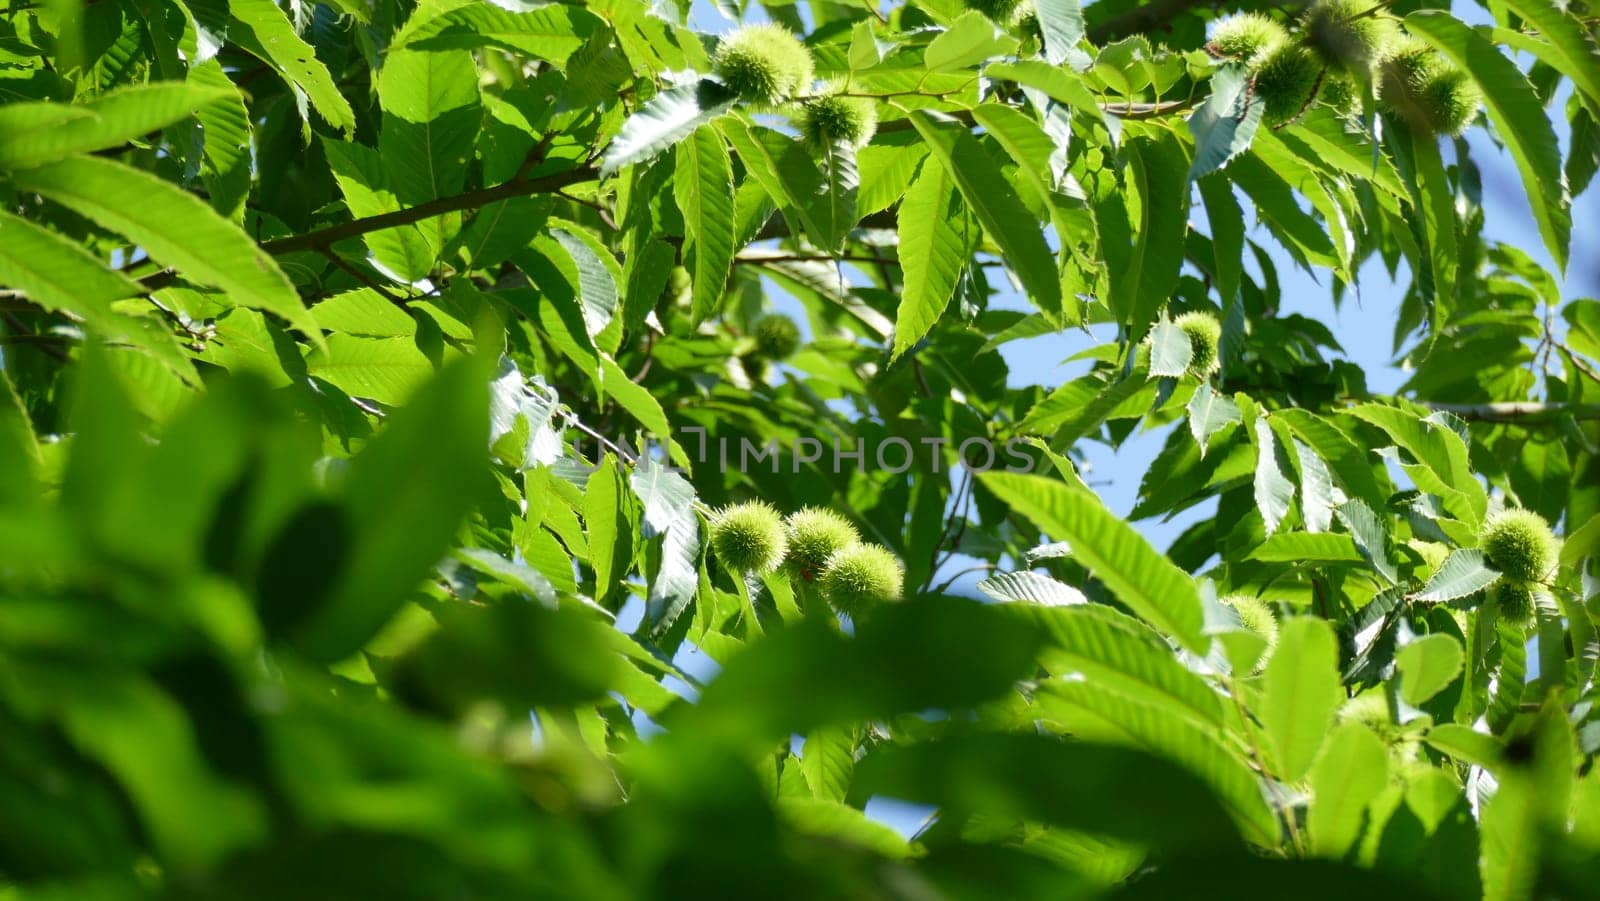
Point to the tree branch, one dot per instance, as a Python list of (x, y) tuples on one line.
[(1522, 412), (470, 200)]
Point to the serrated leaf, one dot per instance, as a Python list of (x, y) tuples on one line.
[(1369, 535), (597, 283), (1210, 413), (1571, 51), (552, 32), (1300, 692), (35, 133), (668, 502), (1518, 117), (833, 208), (997, 207), (58, 274), (224, 141), (1305, 547), (1441, 451), (1061, 23), (664, 120), (432, 116), (1059, 84), (175, 228), (703, 187), (1150, 584), (1225, 124), (1274, 491), (1110, 647), (387, 370), (261, 28), (1316, 489), (827, 760), (1144, 277), (1463, 573), (1170, 351), (934, 247), (1031, 587)]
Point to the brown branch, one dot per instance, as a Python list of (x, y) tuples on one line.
[(470, 200), (1522, 412)]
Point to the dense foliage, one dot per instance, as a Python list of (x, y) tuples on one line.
[(397, 416)]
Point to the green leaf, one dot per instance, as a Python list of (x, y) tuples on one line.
[(827, 760), (598, 276), (830, 821), (935, 244), (1225, 124), (1316, 489), (703, 187), (1300, 692), (549, 33), (1434, 217), (36, 133), (1274, 490), (1210, 413), (1091, 712), (1348, 776), (57, 274), (225, 141), (175, 228), (1113, 649), (1170, 351), (1463, 573), (1304, 547), (666, 119), (833, 207), (1061, 22), (387, 370), (404, 251), (642, 406), (851, 678), (1348, 461), (1572, 50), (1144, 279), (1518, 117), (970, 39), (1150, 584), (1369, 535), (1058, 84), (990, 196), (1581, 542), (405, 495), (1030, 587), (1465, 744), (1441, 451), (431, 119), (1427, 666), (1298, 231), (261, 28), (1115, 791)]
